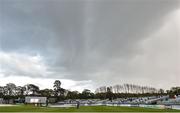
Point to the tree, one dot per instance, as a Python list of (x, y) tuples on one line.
[(34, 89), (31, 88), (167, 91), (46, 92), (57, 87), (161, 91), (72, 95), (1, 91), (5, 90), (62, 91), (11, 88), (86, 94), (109, 93), (20, 90), (175, 90)]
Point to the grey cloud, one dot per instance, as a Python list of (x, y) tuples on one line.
[(83, 39)]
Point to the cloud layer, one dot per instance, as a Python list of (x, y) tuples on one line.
[(103, 41)]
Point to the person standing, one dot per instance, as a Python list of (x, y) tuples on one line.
[(78, 104)]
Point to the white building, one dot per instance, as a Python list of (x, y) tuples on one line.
[(36, 100)]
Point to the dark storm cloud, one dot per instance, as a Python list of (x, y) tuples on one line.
[(83, 39)]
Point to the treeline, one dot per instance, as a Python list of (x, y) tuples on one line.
[(129, 88), (111, 92)]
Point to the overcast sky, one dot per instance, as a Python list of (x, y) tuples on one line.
[(90, 43)]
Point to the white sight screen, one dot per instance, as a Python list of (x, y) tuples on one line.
[(34, 100)]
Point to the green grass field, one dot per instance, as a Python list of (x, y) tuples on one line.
[(82, 109)]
